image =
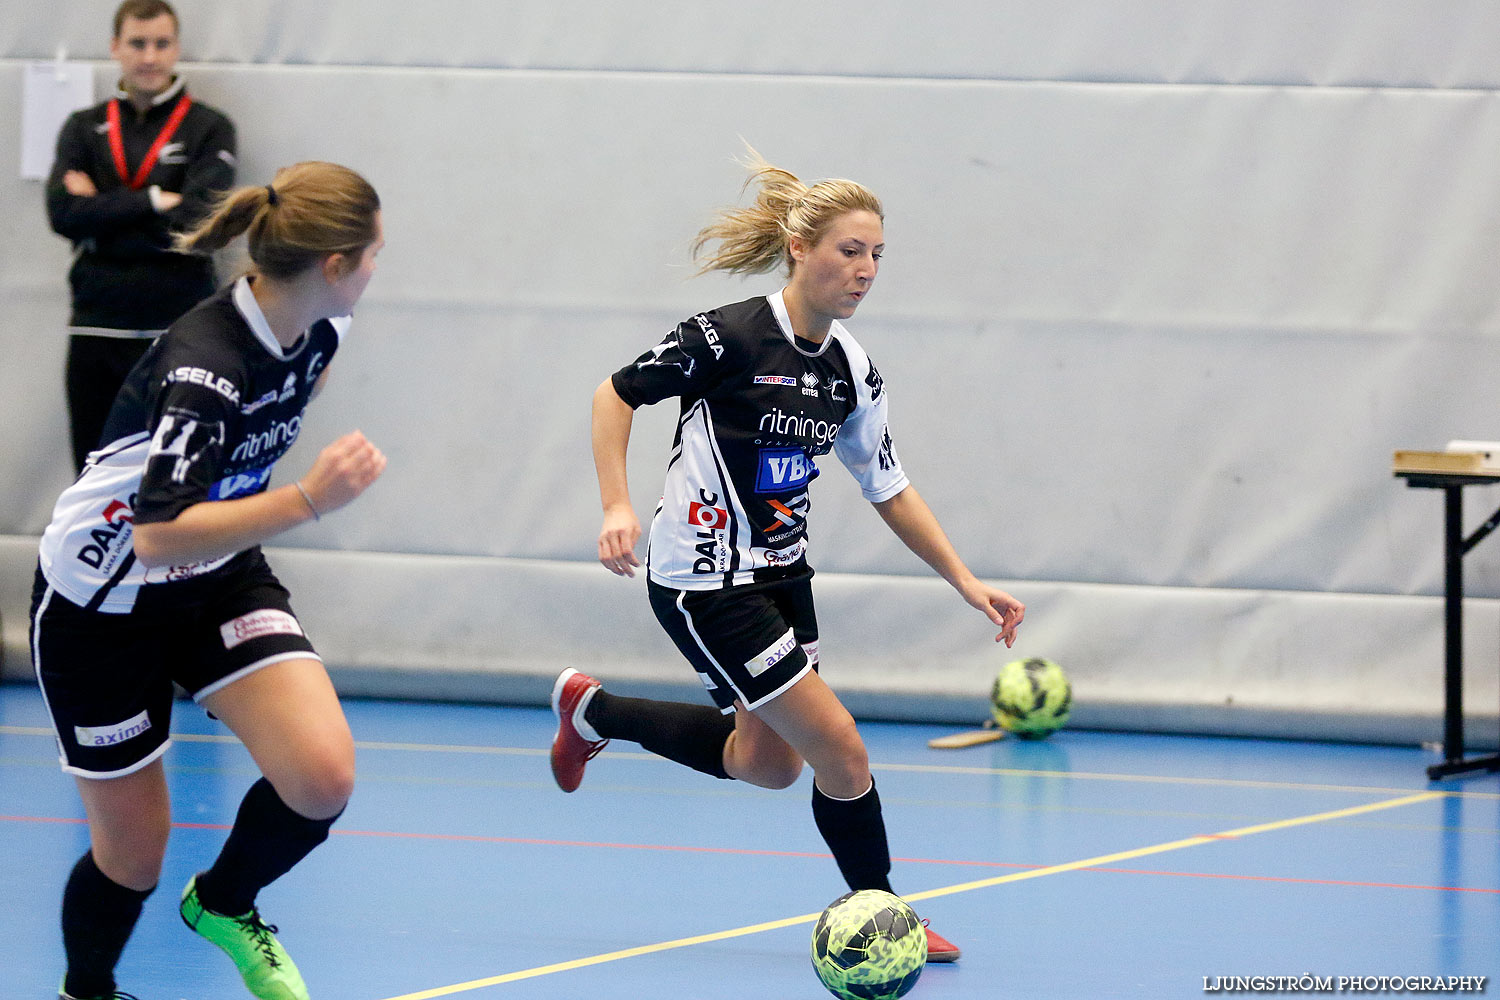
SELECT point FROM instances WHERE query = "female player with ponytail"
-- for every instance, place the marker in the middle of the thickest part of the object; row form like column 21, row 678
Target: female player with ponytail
column 766, row 386
column 151, row 573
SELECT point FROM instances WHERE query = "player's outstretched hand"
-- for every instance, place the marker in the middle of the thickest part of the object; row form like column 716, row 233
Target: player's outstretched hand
column 1002, row 609
column 343, row 471
column 617, row 541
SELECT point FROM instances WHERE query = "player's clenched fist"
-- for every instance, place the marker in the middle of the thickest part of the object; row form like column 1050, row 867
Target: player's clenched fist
column 343, row 471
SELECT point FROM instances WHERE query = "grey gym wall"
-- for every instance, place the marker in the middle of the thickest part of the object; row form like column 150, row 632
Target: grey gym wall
column 1167, row 283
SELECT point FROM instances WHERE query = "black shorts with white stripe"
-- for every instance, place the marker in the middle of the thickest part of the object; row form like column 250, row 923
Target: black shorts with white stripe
column 748, row 643
column 107, row 679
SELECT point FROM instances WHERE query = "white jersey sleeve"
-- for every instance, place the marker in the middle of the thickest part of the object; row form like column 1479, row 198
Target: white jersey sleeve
column 864, row 441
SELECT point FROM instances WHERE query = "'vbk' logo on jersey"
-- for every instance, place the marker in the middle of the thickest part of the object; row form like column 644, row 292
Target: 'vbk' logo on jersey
column 783, row 469
column 239, row 485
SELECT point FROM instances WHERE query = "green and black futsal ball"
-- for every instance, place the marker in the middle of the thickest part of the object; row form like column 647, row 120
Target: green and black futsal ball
column 1031, row 698
column 868, row 945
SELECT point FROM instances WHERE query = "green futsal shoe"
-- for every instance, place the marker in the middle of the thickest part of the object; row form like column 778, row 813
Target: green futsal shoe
column 267, row 969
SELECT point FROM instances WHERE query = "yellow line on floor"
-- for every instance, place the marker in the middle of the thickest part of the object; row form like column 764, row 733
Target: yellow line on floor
column 613, row 956
column 1207, row 838
column 807, row 918
column 1162, row 779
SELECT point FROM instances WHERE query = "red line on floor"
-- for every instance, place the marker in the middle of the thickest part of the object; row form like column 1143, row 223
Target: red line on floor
column 539, row 842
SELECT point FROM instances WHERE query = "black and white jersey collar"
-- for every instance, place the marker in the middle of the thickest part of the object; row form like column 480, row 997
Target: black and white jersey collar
column 244, row 302
column 784, row 321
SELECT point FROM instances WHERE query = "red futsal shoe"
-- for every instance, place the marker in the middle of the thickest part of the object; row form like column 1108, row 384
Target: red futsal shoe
column 576, row 743
column 939, row 948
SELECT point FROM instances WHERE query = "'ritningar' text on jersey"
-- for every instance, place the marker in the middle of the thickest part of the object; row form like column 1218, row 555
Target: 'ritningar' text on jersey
column 203, row 416
column 759, row 405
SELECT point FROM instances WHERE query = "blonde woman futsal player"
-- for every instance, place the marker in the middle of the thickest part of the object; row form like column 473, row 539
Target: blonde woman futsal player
column 766, row 388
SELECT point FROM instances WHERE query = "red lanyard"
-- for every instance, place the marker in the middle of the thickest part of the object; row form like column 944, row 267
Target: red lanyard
column 117, row 142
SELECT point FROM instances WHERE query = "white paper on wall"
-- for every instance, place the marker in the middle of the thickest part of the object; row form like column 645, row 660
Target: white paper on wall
column 50, row 91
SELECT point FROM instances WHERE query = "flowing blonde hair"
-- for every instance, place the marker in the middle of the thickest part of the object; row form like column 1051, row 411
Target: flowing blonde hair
column 309, row 211
column 758, row 238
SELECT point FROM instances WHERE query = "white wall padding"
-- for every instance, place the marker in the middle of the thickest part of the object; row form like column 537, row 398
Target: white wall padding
column 1165, row 287
column 1168, row 659
column 1329, row 43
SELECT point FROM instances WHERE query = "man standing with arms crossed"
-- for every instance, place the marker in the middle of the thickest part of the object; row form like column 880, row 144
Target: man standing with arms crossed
column 128, row 172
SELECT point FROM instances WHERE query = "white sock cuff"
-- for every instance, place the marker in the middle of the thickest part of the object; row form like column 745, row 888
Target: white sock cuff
column 835, row 798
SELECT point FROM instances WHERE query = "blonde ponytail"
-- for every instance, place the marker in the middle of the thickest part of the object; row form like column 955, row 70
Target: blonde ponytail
column 757, row 238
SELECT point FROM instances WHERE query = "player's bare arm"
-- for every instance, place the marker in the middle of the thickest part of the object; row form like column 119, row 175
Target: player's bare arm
column 612, row 420
column 215, row 528
column 912, row 521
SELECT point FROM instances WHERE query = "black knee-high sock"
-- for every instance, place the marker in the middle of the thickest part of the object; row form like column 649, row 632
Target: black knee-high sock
column 98, row 915
column 268, row 838
column 688, row 734
column 855, row 831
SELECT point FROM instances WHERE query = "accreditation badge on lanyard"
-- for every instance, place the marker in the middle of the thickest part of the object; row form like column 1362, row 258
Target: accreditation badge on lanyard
column 117, row 142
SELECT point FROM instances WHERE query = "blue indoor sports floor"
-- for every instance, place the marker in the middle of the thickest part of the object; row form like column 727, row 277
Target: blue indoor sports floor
column 1087, row 865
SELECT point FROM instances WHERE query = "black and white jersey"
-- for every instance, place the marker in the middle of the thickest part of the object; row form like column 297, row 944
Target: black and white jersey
column 759, row 405
column 203, row 416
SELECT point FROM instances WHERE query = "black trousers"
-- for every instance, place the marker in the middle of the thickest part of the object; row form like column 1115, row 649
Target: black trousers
column 97, row 367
